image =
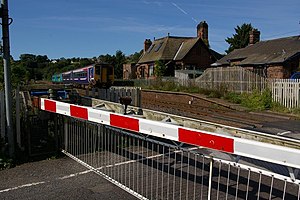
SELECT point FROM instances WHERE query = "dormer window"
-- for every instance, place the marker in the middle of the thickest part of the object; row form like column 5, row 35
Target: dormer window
column 158, row 47
column 150, row 48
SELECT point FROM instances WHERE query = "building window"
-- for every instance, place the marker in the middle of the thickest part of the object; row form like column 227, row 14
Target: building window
column 151, row 70
column 150, row 48
column 142, row 72
column 158, row 47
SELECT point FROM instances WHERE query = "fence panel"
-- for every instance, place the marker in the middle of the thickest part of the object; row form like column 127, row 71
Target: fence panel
column 286, row 92
column 151, row 168
column 235, row 79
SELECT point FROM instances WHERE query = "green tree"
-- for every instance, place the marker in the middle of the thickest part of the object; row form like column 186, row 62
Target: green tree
column 120, row 59
column 134, row 58
column 160, row 68
column 240, row 39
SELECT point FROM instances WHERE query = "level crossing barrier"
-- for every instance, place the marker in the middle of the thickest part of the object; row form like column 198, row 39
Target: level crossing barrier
column 155, row 160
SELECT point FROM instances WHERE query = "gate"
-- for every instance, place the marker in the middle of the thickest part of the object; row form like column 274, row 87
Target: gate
column 154, row 168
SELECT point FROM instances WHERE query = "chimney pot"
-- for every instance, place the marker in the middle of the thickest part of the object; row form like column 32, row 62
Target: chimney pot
column 254, row 36
column 202, row 32
column 147, row 45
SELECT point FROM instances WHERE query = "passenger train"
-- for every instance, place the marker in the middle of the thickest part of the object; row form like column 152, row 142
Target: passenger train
column 96, row 75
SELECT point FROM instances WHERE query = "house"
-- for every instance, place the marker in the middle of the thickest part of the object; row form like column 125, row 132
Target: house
column 277, row 58
column 129, row 71
column 177, row 53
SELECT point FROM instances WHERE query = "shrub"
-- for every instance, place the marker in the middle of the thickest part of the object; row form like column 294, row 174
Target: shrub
column 233, row 97
column 257, row 100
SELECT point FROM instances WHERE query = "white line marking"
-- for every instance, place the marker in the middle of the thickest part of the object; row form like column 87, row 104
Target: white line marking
column 85, row 172
column 43, row 182
column 22, row 186
column 74, row 175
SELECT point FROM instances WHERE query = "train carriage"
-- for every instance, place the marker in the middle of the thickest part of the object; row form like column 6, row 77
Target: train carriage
column 96, row 75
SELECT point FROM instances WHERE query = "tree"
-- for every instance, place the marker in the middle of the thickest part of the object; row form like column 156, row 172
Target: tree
column 240, row 39
column 120, row 59
column 134, row 58
column 160, row 68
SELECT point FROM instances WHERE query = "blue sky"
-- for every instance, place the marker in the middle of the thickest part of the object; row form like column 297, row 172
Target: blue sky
column 88, row 28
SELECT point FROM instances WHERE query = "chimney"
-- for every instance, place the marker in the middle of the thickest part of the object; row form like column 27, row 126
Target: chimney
column 202, row 31
column 147, row 45
column 254, row 36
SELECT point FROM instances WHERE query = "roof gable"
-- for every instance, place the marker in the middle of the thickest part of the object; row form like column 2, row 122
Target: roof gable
column 169, row 48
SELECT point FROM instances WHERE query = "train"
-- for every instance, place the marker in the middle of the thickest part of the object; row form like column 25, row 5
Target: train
column 99, row 75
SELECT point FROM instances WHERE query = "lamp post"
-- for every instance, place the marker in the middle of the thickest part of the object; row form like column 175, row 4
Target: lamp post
column 7, row 76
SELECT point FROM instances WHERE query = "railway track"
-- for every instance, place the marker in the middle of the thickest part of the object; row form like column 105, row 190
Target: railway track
column 216, row 111
column 198, row 107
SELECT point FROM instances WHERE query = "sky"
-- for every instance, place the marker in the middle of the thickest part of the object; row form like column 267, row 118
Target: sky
column 89, row 28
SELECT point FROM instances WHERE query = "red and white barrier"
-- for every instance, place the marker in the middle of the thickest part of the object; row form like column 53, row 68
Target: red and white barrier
column 238, row 146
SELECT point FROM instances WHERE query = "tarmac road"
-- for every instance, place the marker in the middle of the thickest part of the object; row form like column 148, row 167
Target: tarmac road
column 56, row 179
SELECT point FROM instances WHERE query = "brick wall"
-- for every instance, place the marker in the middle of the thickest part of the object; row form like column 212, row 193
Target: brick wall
column 129, row 71
column 142, row 71
column 276, row 71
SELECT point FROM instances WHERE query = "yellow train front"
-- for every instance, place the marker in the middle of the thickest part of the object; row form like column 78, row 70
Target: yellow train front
column 103, row 75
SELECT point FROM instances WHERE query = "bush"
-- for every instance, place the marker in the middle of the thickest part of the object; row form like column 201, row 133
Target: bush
column 257, row 100
column 233, row 97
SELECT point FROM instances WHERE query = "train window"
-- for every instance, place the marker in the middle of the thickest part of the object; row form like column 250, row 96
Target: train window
column 97, row 69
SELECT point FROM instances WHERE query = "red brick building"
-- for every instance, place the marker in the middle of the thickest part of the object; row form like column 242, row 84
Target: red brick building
column 277, row 58
column 177, row 53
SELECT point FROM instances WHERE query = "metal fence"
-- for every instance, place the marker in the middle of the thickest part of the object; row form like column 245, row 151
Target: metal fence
column 152, row 168
column 113, row 94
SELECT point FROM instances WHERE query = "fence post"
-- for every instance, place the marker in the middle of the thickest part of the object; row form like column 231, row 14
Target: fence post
column 18, row 125
column 2, row 116
column 210, row 178
column 66, row 133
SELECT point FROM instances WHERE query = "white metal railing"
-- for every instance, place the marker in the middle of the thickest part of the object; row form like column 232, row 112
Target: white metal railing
column 154, row 168
column 285, row 151
column 286, row 92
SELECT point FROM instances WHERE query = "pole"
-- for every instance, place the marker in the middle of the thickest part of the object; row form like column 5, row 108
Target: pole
column 7, row 80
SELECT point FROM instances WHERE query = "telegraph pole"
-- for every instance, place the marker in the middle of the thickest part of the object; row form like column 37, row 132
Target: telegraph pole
column 7, row 77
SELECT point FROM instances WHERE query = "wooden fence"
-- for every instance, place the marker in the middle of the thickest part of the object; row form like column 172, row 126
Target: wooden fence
column 235, row 79
column 286, row 92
